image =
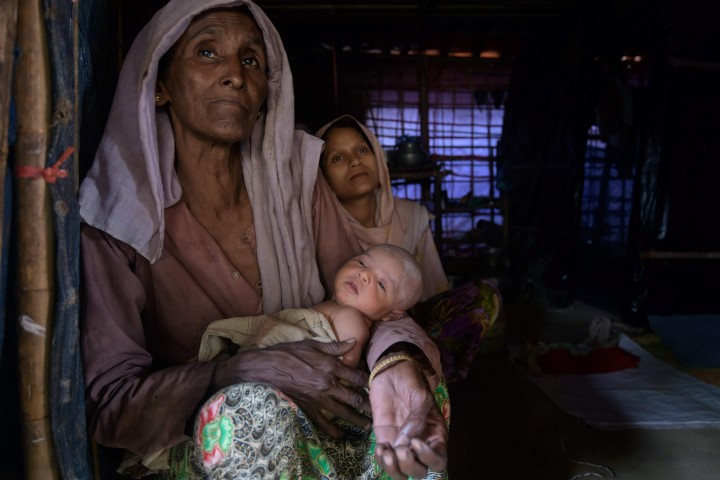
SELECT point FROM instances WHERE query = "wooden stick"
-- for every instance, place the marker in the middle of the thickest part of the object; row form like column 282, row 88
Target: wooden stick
column 67, row 399
column 8, row 28
column 668, row 255
column 35, row 242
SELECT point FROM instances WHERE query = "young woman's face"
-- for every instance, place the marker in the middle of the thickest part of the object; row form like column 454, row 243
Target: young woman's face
column 216, row 82
column 370, row 282
column 349, row 164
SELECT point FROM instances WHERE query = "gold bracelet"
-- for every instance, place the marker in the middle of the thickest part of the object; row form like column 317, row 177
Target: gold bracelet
column 385, row 363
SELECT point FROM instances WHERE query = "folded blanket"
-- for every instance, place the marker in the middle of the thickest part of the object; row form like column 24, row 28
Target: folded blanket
column 289, row 325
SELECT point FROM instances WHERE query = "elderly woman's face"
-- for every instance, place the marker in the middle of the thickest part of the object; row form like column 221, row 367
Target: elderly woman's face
column 216, row 82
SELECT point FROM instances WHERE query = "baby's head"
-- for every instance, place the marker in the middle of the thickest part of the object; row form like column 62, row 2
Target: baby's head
column 382, row 282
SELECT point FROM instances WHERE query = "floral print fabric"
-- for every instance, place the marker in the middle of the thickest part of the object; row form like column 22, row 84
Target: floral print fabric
column 252, row 431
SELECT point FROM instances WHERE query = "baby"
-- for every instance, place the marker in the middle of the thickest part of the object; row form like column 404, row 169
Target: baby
column 379, row 284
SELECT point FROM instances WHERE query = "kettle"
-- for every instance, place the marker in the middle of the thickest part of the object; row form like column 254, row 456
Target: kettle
column 409, row 152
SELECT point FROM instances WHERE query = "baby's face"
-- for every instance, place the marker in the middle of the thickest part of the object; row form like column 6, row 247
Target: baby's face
column 370, row 282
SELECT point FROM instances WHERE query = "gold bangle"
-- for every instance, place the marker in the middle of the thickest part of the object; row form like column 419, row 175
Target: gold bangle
column 385, row 363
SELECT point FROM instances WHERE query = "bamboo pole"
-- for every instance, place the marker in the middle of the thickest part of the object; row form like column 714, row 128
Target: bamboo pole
column 35, row 242
column 8, row 27
column 67, row 399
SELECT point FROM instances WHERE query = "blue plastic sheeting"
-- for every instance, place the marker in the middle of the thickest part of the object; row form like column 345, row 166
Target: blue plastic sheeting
column 5, row 227
column 694, row 340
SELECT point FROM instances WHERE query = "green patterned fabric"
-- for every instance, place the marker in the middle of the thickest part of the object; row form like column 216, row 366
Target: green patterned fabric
column 253, row 431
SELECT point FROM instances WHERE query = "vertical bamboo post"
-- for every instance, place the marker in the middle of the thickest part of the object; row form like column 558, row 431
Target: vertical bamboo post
column 67, row 399
column 35, row 242
column 8, row 27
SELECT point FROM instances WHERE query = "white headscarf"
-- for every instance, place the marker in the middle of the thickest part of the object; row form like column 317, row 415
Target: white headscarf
column 133, row 179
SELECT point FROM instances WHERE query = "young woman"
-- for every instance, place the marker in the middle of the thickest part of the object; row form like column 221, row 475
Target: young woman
column 354, row 166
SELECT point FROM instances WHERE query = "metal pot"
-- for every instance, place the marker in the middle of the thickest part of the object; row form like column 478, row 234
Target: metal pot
column 409, row 152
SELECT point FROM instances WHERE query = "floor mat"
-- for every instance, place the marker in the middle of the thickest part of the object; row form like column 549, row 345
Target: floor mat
column 654, row 395
column 693, row 339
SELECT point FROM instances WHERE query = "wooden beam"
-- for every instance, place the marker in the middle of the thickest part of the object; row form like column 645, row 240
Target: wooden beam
column 655, row 255
column 35, row 280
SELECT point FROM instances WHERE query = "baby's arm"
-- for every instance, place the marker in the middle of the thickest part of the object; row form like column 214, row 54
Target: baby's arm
column 350, row 323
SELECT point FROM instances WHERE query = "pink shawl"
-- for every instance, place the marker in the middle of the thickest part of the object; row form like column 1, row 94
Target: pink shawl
column 397, row 221
column 133, row 180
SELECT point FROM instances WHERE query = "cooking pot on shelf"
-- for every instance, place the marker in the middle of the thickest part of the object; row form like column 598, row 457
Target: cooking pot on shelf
column 409, row 152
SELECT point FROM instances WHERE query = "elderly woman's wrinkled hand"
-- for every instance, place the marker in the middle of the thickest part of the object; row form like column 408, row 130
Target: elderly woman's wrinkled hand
column 310, row 373
column 411, row 434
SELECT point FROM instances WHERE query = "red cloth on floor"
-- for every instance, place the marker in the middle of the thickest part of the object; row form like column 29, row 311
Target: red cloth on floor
column 597, row 360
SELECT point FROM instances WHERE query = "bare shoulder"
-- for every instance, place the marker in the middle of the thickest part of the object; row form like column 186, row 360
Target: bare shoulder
column 348, row 314
column 346, row 321
column 328, row 308
column 336, row 312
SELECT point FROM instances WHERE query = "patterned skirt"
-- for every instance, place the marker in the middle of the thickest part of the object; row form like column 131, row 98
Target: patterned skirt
column 252, row 431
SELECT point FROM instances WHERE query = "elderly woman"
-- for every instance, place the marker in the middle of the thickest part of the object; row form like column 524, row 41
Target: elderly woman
column 355, row 168
column 200, row 205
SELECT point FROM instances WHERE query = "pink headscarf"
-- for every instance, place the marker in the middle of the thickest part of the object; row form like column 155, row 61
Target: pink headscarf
column 397, row 221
